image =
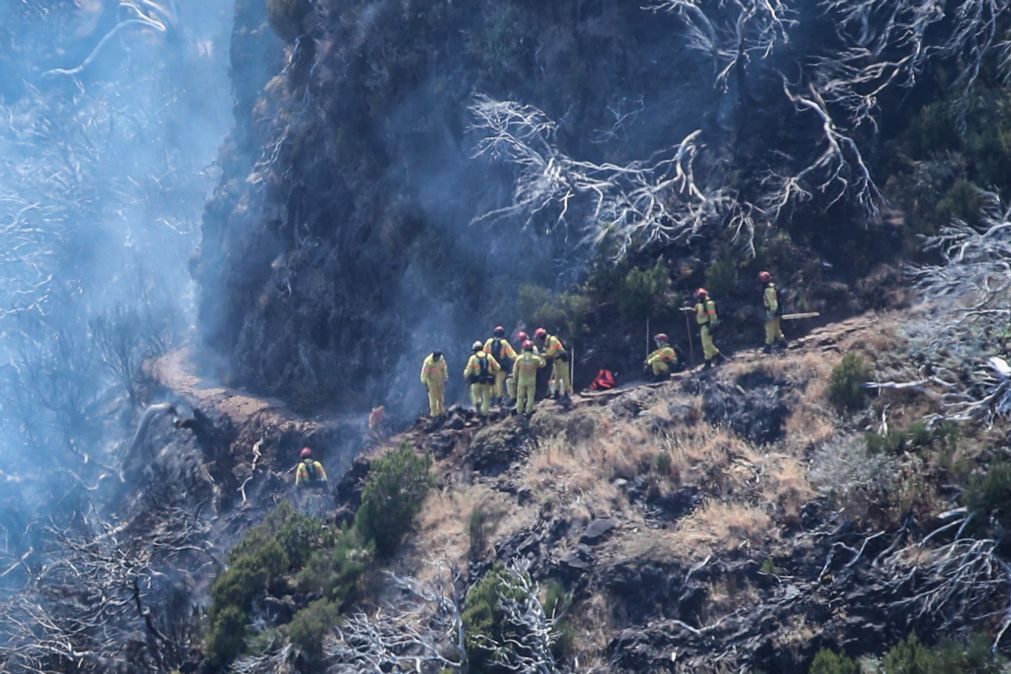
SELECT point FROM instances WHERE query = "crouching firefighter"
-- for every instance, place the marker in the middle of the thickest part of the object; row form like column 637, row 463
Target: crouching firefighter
column 480, row 374
column 310, row 473
column 525, row 370
column 434, row 373
column 664, row 360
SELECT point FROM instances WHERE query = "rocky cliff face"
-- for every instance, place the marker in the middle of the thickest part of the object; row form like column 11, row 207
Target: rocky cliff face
column 340, row 247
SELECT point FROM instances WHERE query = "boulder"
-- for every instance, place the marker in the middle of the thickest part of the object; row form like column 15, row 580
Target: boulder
column 597, row 530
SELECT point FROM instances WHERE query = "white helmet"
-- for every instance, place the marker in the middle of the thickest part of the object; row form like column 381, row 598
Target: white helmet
column 478, row 346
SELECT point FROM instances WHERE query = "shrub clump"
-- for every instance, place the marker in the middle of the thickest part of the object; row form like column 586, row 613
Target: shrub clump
column 266, row 553
column 990, row 494
column 397, row 485
column 290, row 548
column 830, row 662
column 846, row 386
column 310, row 624
column 484, row 620
column 913, row 657
column 286, row 17
column 643, row 291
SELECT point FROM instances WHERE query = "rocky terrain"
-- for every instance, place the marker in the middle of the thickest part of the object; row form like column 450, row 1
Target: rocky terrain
column 732, row 520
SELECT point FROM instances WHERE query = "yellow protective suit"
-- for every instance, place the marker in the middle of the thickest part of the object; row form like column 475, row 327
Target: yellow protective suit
column 773, row 332
column 481, row 391
column 505, row 351
column 662, row 360
column 302, row 473
column 525, row 372
column 434, row 374
column 561, row 370
column 705, row 316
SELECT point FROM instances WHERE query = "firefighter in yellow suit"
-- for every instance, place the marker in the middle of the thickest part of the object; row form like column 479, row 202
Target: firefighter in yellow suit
column 434, row 374
column 310, row 473
column 525, row 370
column 502, row 351
column 553, row 351
column 705, row 316
column 770, row 300
column 664, row 359
column 480, row 372
column 521, row 339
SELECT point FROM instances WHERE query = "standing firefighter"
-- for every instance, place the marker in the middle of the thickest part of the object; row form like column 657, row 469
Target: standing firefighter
column 434, row 374
column 553, row 351
column 480, row 373
column 499, row 348
column 510, row 382
column 705, row 316
column 310, row 472
column 664, row 360
column 525, row 371
column 773, row 312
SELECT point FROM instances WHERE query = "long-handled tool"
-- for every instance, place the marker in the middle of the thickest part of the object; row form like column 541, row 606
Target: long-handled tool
column 797, row 317
column 688, row 329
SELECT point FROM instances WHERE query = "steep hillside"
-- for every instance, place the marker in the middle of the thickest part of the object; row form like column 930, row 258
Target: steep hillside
column 732, row 520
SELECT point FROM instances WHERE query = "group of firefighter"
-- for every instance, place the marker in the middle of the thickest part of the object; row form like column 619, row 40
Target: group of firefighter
column 499, row 375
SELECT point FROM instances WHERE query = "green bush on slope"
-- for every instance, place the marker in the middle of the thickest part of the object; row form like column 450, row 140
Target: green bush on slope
column 291, row 547
column 396, row 488
column 846, row 383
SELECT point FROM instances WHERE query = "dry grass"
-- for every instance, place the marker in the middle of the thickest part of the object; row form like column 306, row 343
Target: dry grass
column 720, row 527
column 583, row 471
column 710, row 457
column 443, row 524
column 592, row 626
column 785, row 485
column 724, row 595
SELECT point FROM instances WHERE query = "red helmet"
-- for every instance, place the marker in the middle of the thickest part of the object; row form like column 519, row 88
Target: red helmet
column 528, row 345
column 540, row 333
column 306, row 453
column 499, row 331
column 700, row 293
column 521, row 337
column 764, row 276
column 661, row 337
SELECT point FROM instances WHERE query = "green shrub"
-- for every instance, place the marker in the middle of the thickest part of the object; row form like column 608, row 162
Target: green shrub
column 830, row 662
column 643, row 291
column 233, row 594
column 891, row 442
column 721, row 278
column 226, row 638
column 567, row 312
column 770, row 567
column 310, row 624
column 484, row 622
column 267, row 552
column 336, row 572
column 913, row 657
column 286, row 16
column 556, row 604
column 846, row 384
column 662, row 463
column 397, row 485
column 477, row 531
column 990, row 494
